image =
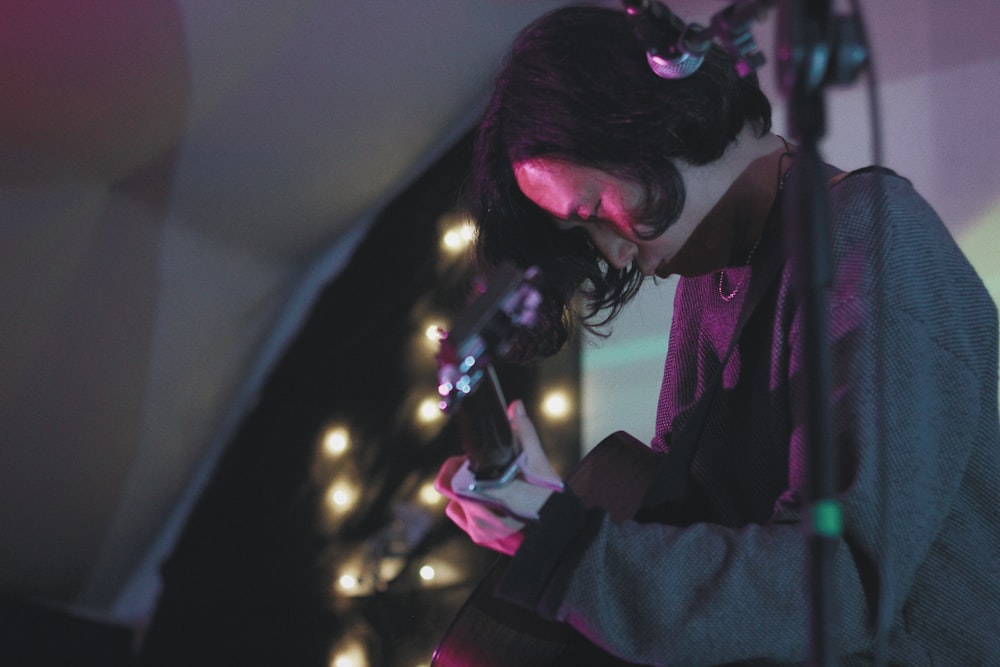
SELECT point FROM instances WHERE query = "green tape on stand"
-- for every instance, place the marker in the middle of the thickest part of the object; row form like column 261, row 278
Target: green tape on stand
column 827, row 519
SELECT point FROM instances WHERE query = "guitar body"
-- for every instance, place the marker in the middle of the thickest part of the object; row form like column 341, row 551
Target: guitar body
column 488, row 632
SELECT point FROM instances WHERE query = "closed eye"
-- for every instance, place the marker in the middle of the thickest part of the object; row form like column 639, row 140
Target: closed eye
column 574, row 219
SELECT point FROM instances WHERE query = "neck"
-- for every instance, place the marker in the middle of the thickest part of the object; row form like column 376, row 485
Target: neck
column 753, row 196
column 728, row 203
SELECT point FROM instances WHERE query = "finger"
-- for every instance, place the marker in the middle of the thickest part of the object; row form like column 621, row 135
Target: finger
column 523, row 427
column 524, row 430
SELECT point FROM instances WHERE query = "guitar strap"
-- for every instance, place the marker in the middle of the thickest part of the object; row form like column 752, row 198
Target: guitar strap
column 668, row 485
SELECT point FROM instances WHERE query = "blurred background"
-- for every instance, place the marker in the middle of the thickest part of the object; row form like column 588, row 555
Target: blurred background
column 226, row 229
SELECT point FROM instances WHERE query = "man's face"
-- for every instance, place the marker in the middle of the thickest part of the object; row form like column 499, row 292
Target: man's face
column 609, row 209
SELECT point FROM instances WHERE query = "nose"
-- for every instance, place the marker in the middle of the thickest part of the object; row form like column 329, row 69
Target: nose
column 618, row 252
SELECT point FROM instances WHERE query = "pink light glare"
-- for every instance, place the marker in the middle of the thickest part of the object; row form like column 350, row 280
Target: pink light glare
column 91, row 89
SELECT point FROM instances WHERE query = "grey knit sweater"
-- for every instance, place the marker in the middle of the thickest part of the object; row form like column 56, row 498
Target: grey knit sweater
column 914, row 353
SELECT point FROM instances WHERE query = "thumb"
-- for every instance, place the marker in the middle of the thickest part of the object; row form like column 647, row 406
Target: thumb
column 524, row 430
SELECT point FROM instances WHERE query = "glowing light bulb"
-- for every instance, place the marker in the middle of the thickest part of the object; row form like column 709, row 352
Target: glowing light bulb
column 435, row 332
column 428, row 495
column 556, row 404
column 349, row 654
column 336, row 440
column 427, row 573
column 452, row 240
column 341, row 497
column 348, row 582
column 429, row 411
column 458, row 237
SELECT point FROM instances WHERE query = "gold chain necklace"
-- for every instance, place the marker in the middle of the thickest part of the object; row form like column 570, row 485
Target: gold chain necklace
column 722, row 272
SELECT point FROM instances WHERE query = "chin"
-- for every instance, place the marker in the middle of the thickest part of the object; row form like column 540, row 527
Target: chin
column 664, row 272
column 688, row 272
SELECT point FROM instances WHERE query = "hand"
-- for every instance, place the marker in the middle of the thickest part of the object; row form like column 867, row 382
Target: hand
column 482, row 517
column 485, row 525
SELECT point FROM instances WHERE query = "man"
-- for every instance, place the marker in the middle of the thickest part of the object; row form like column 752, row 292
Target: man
column 600, row 173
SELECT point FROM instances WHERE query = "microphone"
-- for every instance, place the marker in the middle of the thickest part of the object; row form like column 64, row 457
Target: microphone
column 674, row 50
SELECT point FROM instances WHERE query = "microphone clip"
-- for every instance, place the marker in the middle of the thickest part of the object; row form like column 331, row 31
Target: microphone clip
column 676, row 50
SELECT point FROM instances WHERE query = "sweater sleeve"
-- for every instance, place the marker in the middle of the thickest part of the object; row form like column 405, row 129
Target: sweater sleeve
column 907, row 407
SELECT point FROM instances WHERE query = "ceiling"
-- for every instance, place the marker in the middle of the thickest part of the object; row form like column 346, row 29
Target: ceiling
column 177, row 179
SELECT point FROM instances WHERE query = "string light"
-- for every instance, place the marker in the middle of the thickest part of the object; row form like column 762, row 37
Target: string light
column 435, row 332
column 433, row 329
column 341, row 496
column 427, row 416
column 349, row 653
column 386, row 557
column 352, row 577
column 437, row 572
column 458, row 236
column 336, row 440
column 429, row 410
column 557, row 405
column 428, row 495
column 348, row 582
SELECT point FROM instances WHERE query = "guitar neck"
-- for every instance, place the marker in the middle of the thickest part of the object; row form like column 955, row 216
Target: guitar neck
column 487, row 439
column 467, row 380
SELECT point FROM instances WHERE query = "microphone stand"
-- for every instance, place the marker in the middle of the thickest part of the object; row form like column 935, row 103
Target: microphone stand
column 816, row 49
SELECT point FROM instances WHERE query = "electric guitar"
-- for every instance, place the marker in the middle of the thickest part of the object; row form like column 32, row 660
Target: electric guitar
column 488, row 632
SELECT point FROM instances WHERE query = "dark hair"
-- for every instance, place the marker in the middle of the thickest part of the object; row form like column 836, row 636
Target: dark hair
column 577, row 86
